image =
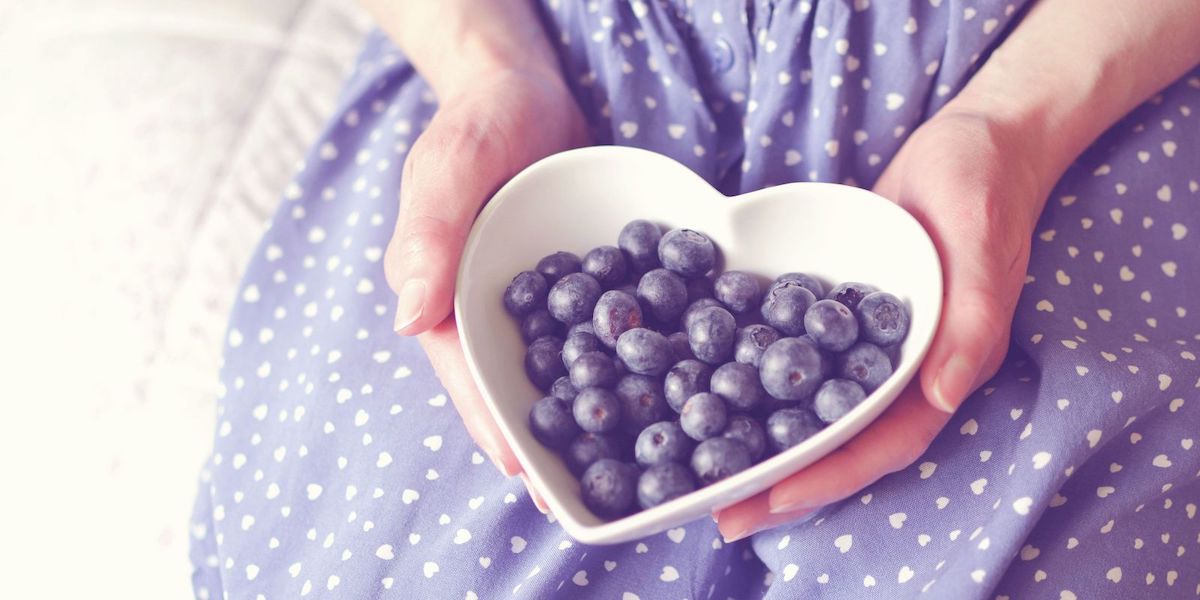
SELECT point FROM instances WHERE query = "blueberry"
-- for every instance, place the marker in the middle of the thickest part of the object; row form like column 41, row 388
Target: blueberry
column 609, row 487
column 589, row 448
column 865, row 364
column 662, row 483
column 572, row 298
column 687, row 378
column 639, row 240
column 526, row 292
column 770, row 405
column 662, row 442
column 883, row 319
column 642, row 401
column 749, row 432
column 584, row 327
column 593, row 369
column 663, row 293
column 597, row 410
column 703, row 416
column 738, row 290
column 607, row 265
column 784, row 308
column 622, row 370
column 629, row 287
column 738, row 384
column 803, row 280
column 752, row 341
column 645, row 351
column 543, row 361
column 717, row 458
column 577, row 345
column 837, row 397
column 893, row 354
column 680, row 346
column 699, row 287
column 790, row 426
column 828, row 359
column 538, row 324
column 552, row 423
column 689, row 253
column 558, row 265
column 563, row 390
column 689, row 314
column 616, row 312
column 831, row 325
column 790, row 369
column 850, row 293
column 711, row 335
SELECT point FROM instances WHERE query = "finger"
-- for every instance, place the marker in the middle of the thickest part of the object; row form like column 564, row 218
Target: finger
column 445, row 353
column 753, row 515
column 892, row 442
column 538, row 501
column 888, row 184
column 981, row 279
column 967, row 348
column 451, row 170
column 983, row 267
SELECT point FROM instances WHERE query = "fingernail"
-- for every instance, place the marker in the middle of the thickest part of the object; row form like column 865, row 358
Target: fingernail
column 410, row 304
column 499, row 464
column 533, row 495
column 729, row 539
column 778, row 509
column 794, row 509
column 779, row 503
column 952, row 383
column 777, row 518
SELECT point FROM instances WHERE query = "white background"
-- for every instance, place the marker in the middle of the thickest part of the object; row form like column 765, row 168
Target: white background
column 143, row 143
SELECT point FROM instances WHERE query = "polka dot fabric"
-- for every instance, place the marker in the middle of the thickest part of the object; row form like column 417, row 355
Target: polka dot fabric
column 340, row 468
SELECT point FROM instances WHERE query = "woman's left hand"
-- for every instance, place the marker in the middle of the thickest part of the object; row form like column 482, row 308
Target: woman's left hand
column 972, row 183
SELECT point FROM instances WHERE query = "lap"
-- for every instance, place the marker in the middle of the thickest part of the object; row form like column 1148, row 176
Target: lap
column 340, row 465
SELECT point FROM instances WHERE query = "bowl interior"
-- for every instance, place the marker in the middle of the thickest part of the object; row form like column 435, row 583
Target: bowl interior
column 580, row 199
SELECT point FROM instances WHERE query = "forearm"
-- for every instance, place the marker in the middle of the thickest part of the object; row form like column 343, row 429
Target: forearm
column 454, row 42
column 1072, row 68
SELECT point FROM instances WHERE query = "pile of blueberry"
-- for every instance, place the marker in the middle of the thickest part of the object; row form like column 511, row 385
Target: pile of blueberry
column 660, row 379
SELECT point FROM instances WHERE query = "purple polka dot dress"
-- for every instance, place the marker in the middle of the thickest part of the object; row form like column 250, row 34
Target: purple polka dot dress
column 340, row 470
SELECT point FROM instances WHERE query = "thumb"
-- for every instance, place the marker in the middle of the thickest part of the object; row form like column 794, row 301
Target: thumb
column 970, row 343
column 451, row 170
column 981, row 283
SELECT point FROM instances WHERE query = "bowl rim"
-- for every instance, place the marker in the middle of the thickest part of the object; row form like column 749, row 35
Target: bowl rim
column 628, row 528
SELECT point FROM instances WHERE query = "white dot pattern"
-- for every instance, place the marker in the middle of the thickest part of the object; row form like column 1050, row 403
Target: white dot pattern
column 340, row 470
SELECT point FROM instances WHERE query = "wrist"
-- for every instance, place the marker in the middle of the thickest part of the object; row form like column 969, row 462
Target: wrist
column 1012, row 144
column 457, row 44
column 1029, row 127
column 469, row 43
column 480, row 58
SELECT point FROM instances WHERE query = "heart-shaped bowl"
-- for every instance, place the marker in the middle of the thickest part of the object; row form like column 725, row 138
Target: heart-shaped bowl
column 581, row 199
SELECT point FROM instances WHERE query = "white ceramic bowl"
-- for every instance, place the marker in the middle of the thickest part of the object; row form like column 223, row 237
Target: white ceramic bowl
column 580, row 199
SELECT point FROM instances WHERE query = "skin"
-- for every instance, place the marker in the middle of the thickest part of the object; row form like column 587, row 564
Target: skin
column 976, row 174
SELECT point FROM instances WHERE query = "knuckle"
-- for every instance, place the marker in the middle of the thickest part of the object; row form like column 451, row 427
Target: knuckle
column 989, row 313
column 914, row 449
column 420, row 235
column 417, row 238
column 447, row 142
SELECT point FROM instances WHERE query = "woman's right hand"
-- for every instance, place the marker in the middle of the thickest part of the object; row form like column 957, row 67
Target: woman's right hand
column 500, row 122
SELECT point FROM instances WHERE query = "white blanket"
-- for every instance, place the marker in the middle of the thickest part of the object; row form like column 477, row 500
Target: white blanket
column 143, row 143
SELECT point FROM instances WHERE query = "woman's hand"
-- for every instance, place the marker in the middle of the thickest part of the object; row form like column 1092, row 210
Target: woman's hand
column 977, row 175
column 475, row 143
column 502, row 105
column 970, row 181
